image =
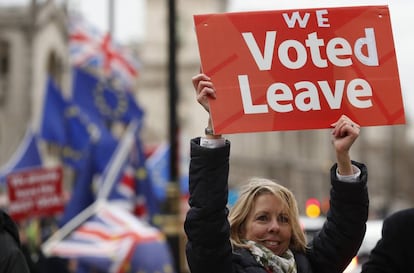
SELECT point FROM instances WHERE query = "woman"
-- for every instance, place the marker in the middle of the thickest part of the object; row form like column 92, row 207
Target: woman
column 262, row 232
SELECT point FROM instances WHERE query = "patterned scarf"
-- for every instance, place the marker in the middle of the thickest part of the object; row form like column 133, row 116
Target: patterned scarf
column 270, row 261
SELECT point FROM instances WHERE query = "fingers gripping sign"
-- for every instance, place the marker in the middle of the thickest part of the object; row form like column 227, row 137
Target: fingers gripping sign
column 204, row 90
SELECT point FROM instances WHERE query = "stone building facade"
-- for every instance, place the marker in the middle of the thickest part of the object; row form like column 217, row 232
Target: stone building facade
column 33, row 44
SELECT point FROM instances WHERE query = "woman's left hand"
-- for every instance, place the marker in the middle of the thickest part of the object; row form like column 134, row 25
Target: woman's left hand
column 344, row 134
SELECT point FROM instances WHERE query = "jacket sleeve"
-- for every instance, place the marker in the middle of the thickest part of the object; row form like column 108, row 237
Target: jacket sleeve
column 208, row 247
column 342, row 234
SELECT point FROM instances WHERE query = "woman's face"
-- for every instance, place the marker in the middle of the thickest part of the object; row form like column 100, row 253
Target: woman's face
column 268, row 224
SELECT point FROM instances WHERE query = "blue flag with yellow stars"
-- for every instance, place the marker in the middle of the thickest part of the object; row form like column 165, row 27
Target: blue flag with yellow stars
column 27, row 155
column 64, row 124
column 102, row 102
column 52, row 128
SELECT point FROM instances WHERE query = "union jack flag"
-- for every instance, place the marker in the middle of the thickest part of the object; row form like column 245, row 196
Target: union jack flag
column 113, row 240
column 92, row 49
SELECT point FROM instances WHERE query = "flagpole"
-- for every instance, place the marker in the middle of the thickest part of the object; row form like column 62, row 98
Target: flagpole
column 111, row 18
column 115, row 164
column 172, row 217
column 173, row 90
column 64, row 231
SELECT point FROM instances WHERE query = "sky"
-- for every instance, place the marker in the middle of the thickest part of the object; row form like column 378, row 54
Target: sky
column 129, row 17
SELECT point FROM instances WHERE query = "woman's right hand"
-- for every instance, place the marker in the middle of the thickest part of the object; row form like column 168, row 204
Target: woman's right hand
column 204, row 90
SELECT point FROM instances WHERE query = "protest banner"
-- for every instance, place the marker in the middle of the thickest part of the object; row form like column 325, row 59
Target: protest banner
column 35, row 192
column 300, row 69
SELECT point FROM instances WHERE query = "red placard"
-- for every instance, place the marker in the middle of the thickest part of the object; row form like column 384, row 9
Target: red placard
column 300, row 69
column 35, row 192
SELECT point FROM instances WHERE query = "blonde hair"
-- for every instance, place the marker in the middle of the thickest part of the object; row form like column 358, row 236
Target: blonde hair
column 244, row 204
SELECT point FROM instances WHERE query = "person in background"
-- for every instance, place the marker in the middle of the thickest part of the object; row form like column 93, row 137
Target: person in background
column 28, row 247
column 394, row 252
column 262, row 232
column 12, row 259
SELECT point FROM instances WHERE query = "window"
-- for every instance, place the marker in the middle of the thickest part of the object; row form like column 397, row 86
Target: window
column 54, row 68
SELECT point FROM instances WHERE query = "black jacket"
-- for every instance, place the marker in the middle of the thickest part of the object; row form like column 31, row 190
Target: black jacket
column 394, row 251
column 209, row 249
column 12, row 259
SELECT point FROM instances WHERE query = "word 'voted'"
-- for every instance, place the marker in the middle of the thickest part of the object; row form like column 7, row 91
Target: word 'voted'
column 338, row 51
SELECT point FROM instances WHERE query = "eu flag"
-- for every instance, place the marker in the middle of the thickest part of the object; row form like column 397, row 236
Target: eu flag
column 158, row 165
column 64, row 124
column 144, row 184
column 52, row 128
column 101, row 102
column 82, row 194
column 103, row 148
column 92, row 163
column 115, row 183
column 85, row 146
column 27, row 155
column 76, row 148
column 125, row 180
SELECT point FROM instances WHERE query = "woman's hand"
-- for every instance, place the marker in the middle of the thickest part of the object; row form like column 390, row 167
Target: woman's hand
column 344, row 134
column 204, row 90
